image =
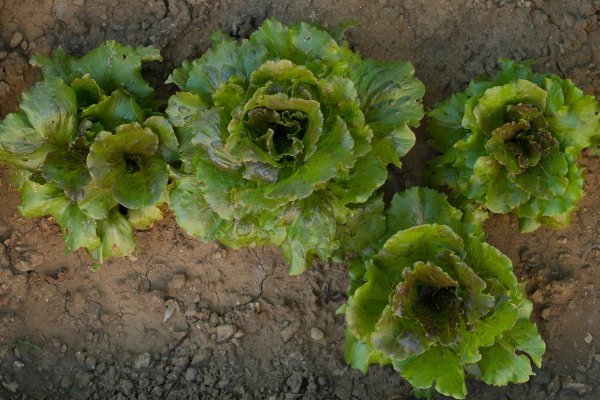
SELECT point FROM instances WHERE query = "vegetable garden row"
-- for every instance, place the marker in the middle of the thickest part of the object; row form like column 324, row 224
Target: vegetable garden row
column 284, row 139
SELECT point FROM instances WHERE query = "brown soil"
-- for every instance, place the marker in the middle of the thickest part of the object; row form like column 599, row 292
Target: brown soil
column 240, row 328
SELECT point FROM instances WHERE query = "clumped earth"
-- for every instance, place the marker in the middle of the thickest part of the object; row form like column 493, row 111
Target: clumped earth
column 189, row 320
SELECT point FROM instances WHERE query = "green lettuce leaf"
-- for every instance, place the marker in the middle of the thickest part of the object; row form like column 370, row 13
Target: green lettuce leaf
column 127, row 163
column 111, row 65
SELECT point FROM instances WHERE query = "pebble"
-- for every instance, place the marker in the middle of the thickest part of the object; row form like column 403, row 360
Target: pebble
column 210, row 380
column 597, row 357
column 580, row 388
column 90, row 362
column 63, row 348
column 18, row 364
column 191, row 311
column 142, row 361
column 171, row 306
column 294, row 382
column 177, row 282
column 15, row 39
column 3, row 54
column 190, row 374
column 100, row 368
column 126, row 387
column 288, row 332
column 316, row 334
column 538, row 297
column 546, row 314
column 65, row 382
column 182, row 361
column 224, row 332
column 588, row 338
column 10, row 386
column 23, row 266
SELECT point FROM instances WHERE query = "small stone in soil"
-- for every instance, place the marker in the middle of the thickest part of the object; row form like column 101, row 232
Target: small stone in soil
column 316, row 334
column 65, row 382
column 588, row 338
column 191, row 311
column 546, row 314
column 90, row 362
column 190, row 374
column 538, row 297
column 294, row 382
column 10, row 386
column 171, row 306
column 15, row 39
column 580, row 388
column 224, row 332
column 126, row 387
column 142, row 361
column 18, row 364
column 177, row 282
column 288, row 332
column 182, row 361
column 238, row 334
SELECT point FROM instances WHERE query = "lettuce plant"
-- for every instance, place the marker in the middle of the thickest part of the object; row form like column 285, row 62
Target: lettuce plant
column 87, row 151
column 511, row 144
column 431, row 298
column 282, row 134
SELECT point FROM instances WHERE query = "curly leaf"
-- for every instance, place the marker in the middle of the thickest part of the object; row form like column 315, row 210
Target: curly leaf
column 111, row 64
column 51, row 109
column 310, row 233
column 117, row 237
column 438, row 367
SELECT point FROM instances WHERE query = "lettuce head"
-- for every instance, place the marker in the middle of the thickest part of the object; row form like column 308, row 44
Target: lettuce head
column 87, row 150
column 282, row 133
column 511, row 143
column 431, row 298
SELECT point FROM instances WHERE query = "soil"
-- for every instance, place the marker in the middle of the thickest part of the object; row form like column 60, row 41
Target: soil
column 188, row 320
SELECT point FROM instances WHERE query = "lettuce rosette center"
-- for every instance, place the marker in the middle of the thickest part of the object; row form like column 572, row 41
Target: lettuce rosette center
column 280, row 125
column 523, row 141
